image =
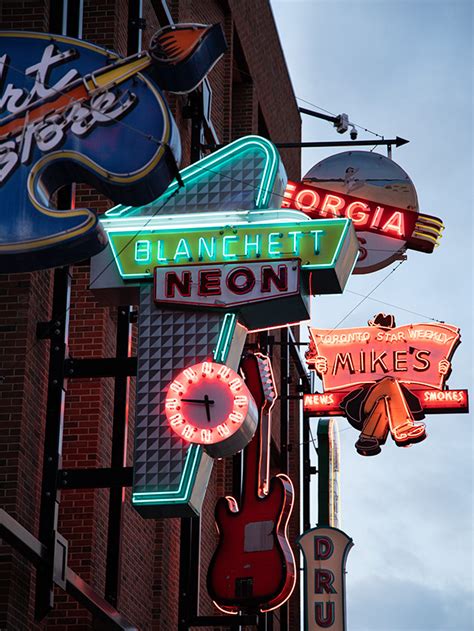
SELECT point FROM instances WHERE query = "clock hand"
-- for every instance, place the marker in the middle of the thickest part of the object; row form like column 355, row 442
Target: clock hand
column 208, row 411
column 206, row 401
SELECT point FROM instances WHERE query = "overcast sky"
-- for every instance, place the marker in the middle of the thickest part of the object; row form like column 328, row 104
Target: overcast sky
column 402, row 68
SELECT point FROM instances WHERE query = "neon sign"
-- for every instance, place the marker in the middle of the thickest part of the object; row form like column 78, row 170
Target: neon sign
column 383, row 378
column 327, row 246
column 432, row 400
column 421, row 232
column 209, row 404
column 380, row 199
column 253, row 567
column 415, row 354
column 249, row 290
column 68, row 109
column 325, row 552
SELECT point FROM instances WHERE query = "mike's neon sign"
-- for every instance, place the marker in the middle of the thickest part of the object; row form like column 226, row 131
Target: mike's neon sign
column 383, row 378
column 421, row 232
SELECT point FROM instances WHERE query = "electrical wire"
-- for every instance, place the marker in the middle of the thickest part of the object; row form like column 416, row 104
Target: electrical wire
column 365, row 297
column 332, row 114
column 390, row 304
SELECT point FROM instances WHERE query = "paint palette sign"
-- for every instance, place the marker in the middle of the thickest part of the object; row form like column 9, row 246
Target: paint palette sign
column 68, row 108
column 383, row 378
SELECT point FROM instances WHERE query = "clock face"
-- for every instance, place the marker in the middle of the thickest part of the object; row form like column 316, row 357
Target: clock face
column 210, row 404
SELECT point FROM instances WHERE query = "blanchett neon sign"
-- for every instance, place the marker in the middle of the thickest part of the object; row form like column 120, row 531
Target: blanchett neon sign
column 383, row 378
column 421, row 232
column 326, row 246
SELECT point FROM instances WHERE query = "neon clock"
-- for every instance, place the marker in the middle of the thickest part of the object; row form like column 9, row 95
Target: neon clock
column 209, row 404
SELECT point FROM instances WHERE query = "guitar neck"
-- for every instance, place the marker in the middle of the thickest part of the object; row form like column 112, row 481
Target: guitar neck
column 257, row 460
column 257, row 454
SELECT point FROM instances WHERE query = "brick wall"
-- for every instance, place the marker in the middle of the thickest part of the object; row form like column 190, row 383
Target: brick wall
column 244, row 101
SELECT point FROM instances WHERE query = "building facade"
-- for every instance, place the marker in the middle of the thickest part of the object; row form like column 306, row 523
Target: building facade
column 141, row 568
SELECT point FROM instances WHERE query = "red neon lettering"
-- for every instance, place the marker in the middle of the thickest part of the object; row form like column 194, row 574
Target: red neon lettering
column 249, row 281
column 358, row 212
column 332, row 204
column 307, row 199
column 425, row 364
column 323, row 581
column 288, row 195
column 269, row 276
column 323, row 548
column 210, row 282
column 400, row 361
column 377, row 359
column 324, row 619
column 182, row 284
column 376, row 218
column 395, row 224
column 343, row 359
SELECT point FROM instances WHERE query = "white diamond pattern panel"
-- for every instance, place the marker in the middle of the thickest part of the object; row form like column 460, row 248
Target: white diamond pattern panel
column 230, row 185
column 168, row 341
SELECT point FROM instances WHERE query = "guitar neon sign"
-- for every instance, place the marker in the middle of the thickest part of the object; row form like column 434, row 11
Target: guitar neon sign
column 67, row 109
column 383, row 378
column 253, row 567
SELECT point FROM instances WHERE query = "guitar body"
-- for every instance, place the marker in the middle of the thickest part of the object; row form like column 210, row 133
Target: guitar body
column 253, row 567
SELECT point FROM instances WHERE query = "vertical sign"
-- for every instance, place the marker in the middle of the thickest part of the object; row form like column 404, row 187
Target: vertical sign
column 325, row 552
column 328, row 474
column 171, row 474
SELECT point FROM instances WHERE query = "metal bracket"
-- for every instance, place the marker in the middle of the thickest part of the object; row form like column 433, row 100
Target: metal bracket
column 138, row 23
column 100, row 367
column 12, row 532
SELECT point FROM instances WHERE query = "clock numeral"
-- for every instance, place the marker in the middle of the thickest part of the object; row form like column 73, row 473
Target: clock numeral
column 241, row 401
column 177, row 387
column 235, row 384
column 176, row 419
column 236, row 417
column 172, row 404
column 224, row 372
column 190, row 375
column 206, row 369
column 188, row 432
column 223, row 430
column 206, row 435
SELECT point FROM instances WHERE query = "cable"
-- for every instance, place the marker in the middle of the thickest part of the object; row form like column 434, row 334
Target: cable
column 366, row 297
column 389, row 304
column 332, row 114
column 134, row 237
column 318, row 107
column 104, row 269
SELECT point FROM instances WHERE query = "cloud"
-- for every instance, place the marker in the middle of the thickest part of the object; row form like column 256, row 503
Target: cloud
column 413, row 607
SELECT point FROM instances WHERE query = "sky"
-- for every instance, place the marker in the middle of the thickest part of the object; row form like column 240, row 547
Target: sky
column 402, row 67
